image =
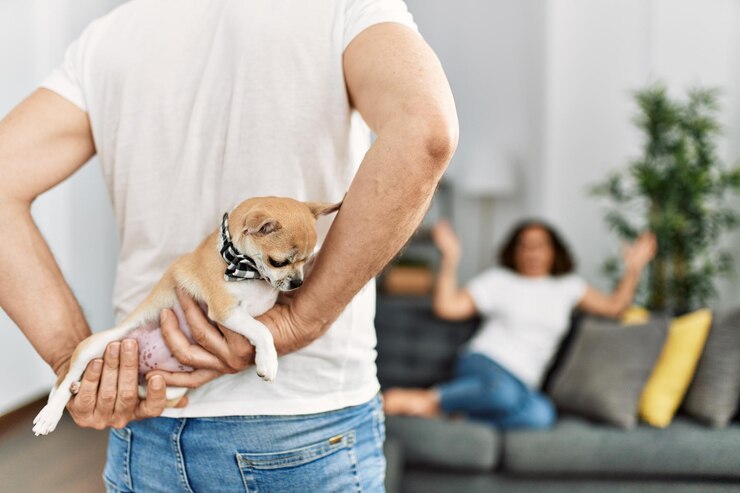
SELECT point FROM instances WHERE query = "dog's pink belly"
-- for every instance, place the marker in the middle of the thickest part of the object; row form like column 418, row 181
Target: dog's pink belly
column 153, row 352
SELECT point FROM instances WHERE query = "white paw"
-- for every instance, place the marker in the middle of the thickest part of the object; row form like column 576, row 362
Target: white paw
column 266, row 362
column 46, row 421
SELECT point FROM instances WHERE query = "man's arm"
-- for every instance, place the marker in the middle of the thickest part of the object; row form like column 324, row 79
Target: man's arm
column 42, row 142
column 397, row 83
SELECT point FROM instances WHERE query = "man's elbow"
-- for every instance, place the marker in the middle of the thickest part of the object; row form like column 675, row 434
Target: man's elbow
column 439, row 138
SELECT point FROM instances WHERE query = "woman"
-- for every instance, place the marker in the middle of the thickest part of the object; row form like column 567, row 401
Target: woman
column 526, row 306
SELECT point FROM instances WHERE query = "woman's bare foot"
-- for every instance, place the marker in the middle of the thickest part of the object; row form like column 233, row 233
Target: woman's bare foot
column 411, row 402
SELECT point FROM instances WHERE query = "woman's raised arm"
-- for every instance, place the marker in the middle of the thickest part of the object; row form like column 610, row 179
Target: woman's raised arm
column 450, row 302
column 636, row 256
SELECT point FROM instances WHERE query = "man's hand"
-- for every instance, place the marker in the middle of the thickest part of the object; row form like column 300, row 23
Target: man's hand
column 218, row 350
column 108, row 393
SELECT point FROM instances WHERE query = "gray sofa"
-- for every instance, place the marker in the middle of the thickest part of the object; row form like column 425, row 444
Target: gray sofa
column 443, row 455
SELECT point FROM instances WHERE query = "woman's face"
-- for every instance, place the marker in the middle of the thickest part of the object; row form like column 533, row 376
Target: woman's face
column 534, row 253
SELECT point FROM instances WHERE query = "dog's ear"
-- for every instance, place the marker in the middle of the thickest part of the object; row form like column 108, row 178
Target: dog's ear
column 260, row 224
column 323, row 208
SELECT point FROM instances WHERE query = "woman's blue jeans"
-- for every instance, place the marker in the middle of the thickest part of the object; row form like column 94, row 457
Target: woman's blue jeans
column 337, row 451
column 485, row 391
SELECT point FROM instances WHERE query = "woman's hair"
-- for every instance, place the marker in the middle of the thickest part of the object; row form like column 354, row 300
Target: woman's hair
column 562, row 261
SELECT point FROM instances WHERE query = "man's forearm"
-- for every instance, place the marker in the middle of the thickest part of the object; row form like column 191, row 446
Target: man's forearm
column 33, row 291
column 383, row 207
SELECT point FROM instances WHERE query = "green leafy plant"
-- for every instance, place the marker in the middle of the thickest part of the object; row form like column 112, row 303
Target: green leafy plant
column 678, row 189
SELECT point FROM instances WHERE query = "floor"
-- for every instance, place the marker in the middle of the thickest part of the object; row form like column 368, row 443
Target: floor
column 70, row 460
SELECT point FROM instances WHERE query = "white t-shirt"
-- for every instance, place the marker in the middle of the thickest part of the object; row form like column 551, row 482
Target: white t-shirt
column 524, row 319
column 196, row 105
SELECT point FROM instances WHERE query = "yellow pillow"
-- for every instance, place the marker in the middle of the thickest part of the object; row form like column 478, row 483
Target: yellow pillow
column 635, row 315
column 675, row 368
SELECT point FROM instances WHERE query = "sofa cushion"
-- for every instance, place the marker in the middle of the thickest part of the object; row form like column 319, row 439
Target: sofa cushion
column 577, row 447
column 415, row 348
column 425, row 481
column 674, row 370
column 606, row 368
column 712, row 397
column 448, row 444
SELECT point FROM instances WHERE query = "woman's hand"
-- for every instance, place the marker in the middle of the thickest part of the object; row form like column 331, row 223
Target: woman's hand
column 447, row 241
column 638, row 254
column 108, row 391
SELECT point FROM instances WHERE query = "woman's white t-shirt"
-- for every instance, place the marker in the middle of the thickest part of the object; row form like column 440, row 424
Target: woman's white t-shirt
column 197, row 105
column 525, row 318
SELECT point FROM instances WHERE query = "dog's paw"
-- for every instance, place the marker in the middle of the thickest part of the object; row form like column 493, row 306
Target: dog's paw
column 266, row 362
column 46, row 421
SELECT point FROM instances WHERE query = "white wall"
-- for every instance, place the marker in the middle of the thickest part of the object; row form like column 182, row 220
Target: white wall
column 547, row 85
column 597, row 52
column 75, row 218
column 492, row 52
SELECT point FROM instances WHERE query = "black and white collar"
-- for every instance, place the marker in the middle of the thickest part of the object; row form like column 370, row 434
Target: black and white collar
column 239, row 267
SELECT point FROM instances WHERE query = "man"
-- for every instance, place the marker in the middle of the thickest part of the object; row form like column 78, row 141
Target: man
column 191, row 107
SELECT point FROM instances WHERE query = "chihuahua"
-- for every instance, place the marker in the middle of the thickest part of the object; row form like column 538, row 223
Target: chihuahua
column 235, row 274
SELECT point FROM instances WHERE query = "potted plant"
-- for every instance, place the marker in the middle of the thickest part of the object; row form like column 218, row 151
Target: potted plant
column 678, row 188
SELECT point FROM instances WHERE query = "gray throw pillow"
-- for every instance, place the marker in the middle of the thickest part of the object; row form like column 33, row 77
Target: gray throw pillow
column 606, row 368
column 713, row 395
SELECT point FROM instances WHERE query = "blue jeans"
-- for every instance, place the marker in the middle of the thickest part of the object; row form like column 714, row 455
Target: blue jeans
column 485, row 391
column 337, row 451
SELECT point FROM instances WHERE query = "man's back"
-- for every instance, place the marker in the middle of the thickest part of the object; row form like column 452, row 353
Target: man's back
column 196, row 105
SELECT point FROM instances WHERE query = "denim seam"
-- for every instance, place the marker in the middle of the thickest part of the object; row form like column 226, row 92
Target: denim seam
column 378, row 430
column 277, row 417
column 123, row 434
column 127, row 461
column 355, row 471
column 176, row 448
column 378, row 418
column 127, row 479
column 245, row 479
column 110, row 487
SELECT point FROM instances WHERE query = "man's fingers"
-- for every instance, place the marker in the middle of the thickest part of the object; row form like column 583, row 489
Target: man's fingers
column 182, row 402
column 128, row 380
column 241, row 351
column 190, row 380
column 83, row 404
column 202, row 330
column 156, row 398
column 108, row 387
column 182, row 349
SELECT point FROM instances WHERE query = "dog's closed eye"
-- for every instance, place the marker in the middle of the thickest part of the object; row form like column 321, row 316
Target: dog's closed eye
column 278, row 263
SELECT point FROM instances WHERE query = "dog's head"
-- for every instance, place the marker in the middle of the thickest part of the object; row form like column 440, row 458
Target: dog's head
column 279, row 234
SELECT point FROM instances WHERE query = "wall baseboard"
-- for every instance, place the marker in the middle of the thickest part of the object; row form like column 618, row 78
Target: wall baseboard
column 22, row 415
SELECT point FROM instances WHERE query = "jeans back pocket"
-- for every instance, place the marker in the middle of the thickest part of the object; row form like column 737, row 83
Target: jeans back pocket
column 324, row 467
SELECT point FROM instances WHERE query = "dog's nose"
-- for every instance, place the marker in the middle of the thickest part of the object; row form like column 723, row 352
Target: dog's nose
column 295, row 283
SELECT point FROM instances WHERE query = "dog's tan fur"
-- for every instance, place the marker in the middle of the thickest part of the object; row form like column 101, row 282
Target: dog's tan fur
column 263, row 228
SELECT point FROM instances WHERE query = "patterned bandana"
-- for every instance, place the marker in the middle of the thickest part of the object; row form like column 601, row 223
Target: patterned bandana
column 239, row 267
